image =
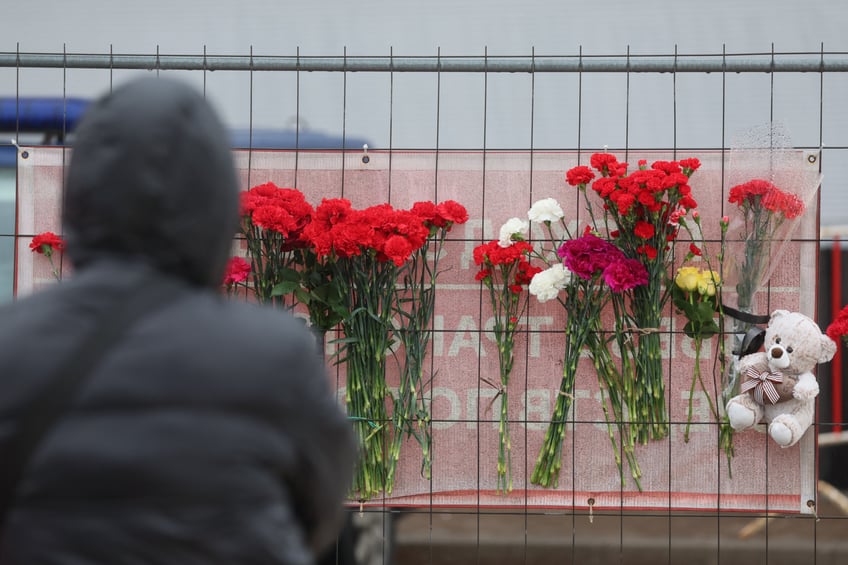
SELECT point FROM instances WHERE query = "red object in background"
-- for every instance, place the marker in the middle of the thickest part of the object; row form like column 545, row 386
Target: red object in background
column 836, row 362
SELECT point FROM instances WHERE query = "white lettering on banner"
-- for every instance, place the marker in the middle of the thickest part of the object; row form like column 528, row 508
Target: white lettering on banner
column 534, row 324
column 455, row 411
column 537, row 405
column 438, row 335
column 466, row 336
column 489, row 406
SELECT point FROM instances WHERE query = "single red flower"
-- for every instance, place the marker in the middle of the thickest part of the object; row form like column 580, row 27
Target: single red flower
column 483, row 274
column 579, row 175
column 625, row 203
column 648, row 251
column 644, row 230
column 452, row 212
column 237, row 271
column 838, row 329
column 694, row 250
column 398, row 249
column 691, row 165
column 604, row 163
column 46, row 243
column 604, row 186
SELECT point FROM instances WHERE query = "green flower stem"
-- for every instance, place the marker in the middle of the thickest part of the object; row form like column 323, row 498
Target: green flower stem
column 609, row 379
column 696, row 377
column 364, row 350
column 549, row 460
column 415, row 306
column 507, row 308
column 648, row 409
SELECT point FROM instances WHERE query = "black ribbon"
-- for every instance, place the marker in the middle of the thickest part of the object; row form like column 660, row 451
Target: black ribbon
column 745, row 316
column 754, row 337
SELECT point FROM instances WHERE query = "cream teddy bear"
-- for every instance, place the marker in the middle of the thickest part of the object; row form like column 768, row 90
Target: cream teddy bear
column 777, row 385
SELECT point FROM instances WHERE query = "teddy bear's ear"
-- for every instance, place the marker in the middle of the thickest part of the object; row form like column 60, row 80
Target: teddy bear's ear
column 828, row 349
column 777, row 314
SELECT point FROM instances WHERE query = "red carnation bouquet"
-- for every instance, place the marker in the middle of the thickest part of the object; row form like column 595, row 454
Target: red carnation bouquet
column 764, row 209
column 371, row 272
column 643, row 207
column 416, row 302
column 378, row 262
column 273, row 219
column 505, row 270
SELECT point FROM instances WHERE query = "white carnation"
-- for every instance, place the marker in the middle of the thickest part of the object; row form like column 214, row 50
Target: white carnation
column 512, row 227
column 547, row 284
column 545, row 210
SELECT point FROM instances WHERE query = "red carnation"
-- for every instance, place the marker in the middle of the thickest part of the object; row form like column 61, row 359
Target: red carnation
column 643, row 230
column 690, row 165
column 452, row 212
column 483, row 274
column 648, row 251
column 237, row 271
column 46, row 243
column 579, row 175
column 604, row 186
column 625, row 203
column 838, row 329
column 605, row 163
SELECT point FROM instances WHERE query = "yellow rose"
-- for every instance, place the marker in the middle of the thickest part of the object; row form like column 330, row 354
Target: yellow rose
column 687, row 278
column 707, row 281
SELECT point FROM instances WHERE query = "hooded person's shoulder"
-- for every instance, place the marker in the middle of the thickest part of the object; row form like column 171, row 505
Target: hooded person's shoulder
column 253, row 328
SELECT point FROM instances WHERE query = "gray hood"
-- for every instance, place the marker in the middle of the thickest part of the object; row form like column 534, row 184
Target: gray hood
column 152, row 180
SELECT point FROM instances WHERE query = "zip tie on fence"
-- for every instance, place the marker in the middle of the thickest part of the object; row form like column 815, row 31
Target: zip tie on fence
column 811, row 504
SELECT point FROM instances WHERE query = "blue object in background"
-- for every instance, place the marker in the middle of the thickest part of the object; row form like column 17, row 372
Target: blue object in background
column 41, row 114
column 264, row 138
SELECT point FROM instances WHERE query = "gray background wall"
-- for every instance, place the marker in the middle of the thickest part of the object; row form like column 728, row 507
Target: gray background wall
column 466, row 27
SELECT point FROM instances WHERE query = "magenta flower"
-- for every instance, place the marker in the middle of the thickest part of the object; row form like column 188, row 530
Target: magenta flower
column 588, row 255
column 625, row 274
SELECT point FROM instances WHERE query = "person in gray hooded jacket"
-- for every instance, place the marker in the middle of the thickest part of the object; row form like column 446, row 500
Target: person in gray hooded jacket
column 208, row 433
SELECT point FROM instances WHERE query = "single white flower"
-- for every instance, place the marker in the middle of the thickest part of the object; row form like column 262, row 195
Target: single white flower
column 545, row 210
column 547, row 284
column 513, row 227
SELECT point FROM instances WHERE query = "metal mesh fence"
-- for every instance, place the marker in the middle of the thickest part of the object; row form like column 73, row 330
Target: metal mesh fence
column 533, row 106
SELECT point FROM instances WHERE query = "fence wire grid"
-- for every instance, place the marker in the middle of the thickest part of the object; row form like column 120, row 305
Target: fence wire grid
column 669, row 103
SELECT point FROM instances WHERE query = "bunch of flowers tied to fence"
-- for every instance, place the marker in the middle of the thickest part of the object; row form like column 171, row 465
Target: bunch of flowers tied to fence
column 505, row 271
column 623, row 259
column 372, row 272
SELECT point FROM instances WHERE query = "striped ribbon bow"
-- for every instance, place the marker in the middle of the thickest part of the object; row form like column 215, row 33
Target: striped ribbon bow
column 762, row 383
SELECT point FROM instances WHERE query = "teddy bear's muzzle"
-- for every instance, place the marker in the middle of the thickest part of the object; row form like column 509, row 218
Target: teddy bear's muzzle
column 778, row 357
